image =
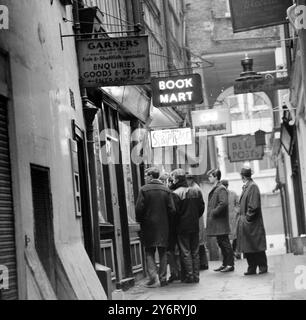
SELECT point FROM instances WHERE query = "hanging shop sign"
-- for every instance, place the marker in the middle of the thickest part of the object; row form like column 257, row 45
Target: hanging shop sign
column 286, row 137
column 114, row 61
column 254, row 14
column 178, row 90
column 215, row 121
column 243, row 148
column 171, row 137
column 261, row 85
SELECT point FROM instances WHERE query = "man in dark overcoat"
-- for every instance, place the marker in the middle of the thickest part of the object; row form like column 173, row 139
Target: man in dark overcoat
column 190, row 206
column 154, row 206
column 251, row 235
column 218, row 220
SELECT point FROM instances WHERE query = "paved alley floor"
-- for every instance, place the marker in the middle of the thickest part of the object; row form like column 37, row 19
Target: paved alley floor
column 286, row 279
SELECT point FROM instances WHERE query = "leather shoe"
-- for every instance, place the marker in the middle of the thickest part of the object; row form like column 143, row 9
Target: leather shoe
column 250, row 272
column 188, row 280
column 173, row 278
column 204, row 267
column 163, row 283
column 228, row 269
column 220, row 268
column 263, row 270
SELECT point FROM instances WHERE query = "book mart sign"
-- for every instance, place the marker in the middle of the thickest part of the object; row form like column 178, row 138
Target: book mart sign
column 114, row 61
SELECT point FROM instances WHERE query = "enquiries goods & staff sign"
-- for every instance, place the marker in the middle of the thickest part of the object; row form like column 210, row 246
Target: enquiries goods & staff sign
column 114, row 61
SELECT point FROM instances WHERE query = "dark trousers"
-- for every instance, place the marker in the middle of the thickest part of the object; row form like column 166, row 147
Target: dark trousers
column 174, row 261
column 151, row 263
column 234, row 245
column 256, row 259
column 203, row 256
column 226, row 250
column 190, row 260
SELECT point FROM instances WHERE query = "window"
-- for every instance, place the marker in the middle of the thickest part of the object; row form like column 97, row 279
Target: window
column 114, row 13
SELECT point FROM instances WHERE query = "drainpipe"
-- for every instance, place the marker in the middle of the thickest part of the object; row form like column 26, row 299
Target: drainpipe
column 168, row 37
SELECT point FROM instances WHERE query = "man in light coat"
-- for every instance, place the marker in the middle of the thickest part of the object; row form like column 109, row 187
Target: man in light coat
column 251, row 235
column 154, row 207
column 218, row 220
column 233, row 211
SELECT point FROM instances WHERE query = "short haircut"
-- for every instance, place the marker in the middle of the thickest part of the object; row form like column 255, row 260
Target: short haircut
column 153, row 171
column 179, row 174
column 215, row 173
column 224, row 182
column 164, row 176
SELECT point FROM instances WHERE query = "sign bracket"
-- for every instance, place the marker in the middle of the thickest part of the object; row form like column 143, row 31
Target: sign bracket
column 137, row 29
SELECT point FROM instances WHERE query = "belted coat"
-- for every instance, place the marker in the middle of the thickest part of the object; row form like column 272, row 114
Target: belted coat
column 217, row 211
column 251, row 235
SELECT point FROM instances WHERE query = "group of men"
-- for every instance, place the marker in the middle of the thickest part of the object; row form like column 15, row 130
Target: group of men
column 168, row 209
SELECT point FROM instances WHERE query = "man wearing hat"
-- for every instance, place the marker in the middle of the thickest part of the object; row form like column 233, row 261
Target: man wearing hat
column 251, row 235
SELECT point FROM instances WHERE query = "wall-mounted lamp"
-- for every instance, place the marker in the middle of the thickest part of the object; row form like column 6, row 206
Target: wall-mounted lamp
column 248, row 73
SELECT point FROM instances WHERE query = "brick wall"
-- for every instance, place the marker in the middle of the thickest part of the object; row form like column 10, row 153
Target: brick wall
column 210, row 30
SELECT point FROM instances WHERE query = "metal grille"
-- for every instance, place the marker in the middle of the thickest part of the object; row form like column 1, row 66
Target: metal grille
column 7, row 231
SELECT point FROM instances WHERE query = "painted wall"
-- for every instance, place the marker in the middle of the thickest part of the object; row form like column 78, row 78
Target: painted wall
column 40, row 116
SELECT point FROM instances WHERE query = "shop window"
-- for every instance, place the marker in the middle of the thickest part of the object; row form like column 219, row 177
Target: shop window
column 107, row 255
column 136, row 254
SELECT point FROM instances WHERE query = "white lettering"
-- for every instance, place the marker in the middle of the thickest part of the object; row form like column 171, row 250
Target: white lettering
column 4, row 17
column 300, row 281
column 173, row 98
column 164, row 98
column 4, row 278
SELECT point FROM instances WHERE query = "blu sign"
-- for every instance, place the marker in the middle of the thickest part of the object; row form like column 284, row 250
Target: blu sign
column 178, row 90
column 243, row 148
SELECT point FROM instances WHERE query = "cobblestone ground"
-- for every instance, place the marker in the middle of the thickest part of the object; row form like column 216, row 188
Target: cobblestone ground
column 278, row 283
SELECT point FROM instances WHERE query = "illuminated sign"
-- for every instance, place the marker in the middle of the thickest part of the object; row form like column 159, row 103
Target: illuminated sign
column 114, row 61
column 243, row 148
column 171, row 137
column 254, row 14
column 178, row 90
column 215, row 121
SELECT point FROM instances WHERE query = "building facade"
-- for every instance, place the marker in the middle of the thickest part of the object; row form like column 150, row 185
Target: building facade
column 72, row 158
column 220, row 52
column 43, row 231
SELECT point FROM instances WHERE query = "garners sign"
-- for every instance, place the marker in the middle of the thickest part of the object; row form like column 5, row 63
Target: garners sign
column 178, row 90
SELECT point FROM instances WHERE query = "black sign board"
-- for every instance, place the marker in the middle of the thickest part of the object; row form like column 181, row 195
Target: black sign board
column 261, row 85
column 254, row 14
column 114, row 61
column 177, row 90
column 287, row 138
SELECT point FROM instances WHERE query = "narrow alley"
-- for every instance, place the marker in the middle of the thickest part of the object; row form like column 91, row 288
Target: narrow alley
column 280, row 283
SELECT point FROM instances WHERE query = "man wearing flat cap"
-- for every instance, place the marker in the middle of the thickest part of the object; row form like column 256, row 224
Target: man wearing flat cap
column 251, row 235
